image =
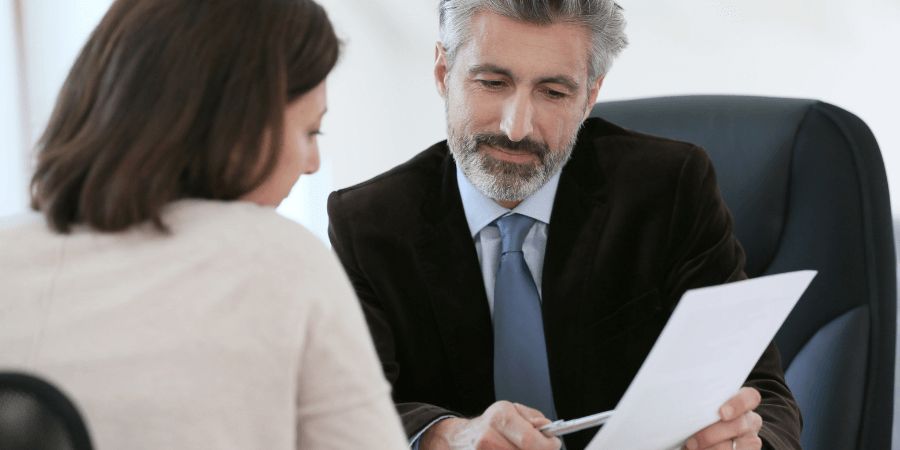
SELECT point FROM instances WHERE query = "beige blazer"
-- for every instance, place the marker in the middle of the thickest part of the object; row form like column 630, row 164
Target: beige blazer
column 238, row 330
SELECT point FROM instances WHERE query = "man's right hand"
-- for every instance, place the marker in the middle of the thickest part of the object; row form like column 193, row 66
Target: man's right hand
column 503, row 426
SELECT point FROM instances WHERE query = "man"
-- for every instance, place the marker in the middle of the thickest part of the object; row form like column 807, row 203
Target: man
column 534, row 257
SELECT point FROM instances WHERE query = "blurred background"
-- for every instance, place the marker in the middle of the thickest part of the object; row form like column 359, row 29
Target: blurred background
column 383, row 107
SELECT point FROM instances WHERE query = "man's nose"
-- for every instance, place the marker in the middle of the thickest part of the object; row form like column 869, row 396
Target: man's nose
column 517, row 117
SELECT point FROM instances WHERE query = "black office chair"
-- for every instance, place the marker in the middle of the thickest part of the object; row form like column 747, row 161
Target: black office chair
column 34, row 415
column 807, row 188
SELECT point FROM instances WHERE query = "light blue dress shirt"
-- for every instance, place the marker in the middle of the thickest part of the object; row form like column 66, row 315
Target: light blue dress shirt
column 481, row 211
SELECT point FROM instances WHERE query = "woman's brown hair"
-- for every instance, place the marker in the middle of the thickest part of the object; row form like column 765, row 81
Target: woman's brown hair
column 174, row 99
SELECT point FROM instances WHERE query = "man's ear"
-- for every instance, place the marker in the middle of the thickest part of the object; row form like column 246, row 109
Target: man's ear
column 440, row 69
column 592, row 96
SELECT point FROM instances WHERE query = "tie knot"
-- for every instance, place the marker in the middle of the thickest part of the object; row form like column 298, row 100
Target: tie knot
column 513, row 229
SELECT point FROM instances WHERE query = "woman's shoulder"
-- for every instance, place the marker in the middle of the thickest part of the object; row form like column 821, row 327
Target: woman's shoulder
column 249, row 231
column 23, row 235
column 236, row 222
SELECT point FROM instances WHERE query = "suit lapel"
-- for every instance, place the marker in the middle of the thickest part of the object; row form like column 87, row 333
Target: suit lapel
column 451, row 271
column 579, row 213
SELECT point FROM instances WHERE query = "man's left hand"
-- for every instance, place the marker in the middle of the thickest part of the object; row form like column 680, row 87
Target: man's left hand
column 738, row 428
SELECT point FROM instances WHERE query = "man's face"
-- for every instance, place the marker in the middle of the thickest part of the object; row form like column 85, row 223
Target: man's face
column 515, row 96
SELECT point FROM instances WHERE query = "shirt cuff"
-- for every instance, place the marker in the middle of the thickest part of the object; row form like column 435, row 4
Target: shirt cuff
column 414, row 441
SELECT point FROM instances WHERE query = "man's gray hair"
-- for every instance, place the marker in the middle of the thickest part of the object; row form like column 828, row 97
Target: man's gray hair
column 602, row 18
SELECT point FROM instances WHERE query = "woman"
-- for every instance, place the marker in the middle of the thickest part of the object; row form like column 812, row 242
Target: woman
column 160, row 289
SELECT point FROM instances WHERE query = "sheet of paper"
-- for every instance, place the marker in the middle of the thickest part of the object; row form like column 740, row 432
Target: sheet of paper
column 705, row 352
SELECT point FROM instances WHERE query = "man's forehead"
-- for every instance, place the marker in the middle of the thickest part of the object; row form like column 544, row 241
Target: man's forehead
column 527, row 50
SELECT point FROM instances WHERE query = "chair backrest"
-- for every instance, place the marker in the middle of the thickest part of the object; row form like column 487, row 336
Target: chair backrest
column 34, row 415
column 806, row 185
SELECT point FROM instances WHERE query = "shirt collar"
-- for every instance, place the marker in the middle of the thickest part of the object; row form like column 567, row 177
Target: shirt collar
column 481, row 210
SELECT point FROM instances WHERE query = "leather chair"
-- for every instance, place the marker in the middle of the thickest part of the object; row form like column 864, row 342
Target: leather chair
column 806, row 185
column 34, row 415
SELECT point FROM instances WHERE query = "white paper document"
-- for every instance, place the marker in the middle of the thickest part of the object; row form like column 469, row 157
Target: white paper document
column 704, row 354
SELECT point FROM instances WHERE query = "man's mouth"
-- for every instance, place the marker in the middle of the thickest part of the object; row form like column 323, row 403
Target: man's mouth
column 509, row 155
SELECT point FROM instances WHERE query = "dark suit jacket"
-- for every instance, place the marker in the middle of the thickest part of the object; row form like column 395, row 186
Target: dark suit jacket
column 637, row 220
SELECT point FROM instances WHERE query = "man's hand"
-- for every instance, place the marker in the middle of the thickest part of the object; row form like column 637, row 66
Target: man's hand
column 738, row 428
column 503, row 426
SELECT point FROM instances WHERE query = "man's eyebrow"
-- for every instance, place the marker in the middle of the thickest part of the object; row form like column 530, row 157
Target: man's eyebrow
column 561, row 79
column 489, row 68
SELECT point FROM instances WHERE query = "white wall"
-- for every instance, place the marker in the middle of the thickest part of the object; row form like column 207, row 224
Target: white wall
column 13, row 193
column 382, row 102
column 845, row 53
column 55, row 31
column 384, row 108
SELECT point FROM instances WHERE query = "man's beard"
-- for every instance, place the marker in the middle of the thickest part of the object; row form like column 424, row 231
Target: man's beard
column 504, row 180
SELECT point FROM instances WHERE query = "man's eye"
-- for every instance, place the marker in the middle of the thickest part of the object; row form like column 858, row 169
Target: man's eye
column 492, row 84
column 556, row 94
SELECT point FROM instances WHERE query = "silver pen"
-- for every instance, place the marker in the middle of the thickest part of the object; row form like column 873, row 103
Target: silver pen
column 561, row 427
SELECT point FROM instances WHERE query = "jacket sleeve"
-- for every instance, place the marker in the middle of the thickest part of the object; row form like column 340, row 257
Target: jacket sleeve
column 414, row 416
column 703, row 251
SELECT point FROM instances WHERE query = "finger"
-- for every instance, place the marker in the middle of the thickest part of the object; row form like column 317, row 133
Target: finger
column 529, row 438
column 494, row 439
column 520, row 431
column 724, row 432
column 747, row 399
column 528, row 412
column 720, row 446
column 748, row 442
column 489, row 439
column 727, row 445
column 534, row 416
column 539, row 421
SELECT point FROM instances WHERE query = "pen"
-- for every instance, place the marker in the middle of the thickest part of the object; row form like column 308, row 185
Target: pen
column 563, row 427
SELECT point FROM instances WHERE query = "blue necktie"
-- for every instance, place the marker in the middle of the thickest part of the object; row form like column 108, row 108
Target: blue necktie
column 521, row 372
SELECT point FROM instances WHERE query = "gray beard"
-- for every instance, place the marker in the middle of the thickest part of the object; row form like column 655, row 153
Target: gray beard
column 503, row 180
